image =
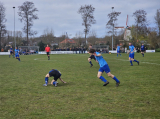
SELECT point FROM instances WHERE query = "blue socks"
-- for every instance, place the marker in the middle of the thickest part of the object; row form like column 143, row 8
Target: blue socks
column 102, row 78
column 135, row 60
column 54, row 82
column 19, row 59
column 116, row 79
column 117, row 55
column 46, row 80
column 90, row 62
column 131, row 62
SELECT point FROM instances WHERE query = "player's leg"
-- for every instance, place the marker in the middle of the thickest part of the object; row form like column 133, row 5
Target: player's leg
column 130, row 60
column 18, row 57
column 54, row 81
column 99, row 75
column 9, row 54
column 113, row 77
column 107, row 70
column 12, row 54
column 89, row 60
column 117, row 53
column 143, row 53
column 120, row 53
column 46, row 80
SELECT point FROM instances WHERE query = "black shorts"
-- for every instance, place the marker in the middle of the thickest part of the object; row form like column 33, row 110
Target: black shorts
column 142, row 50
column 55, row 75
column 11, row 52
column 47, row 53
column 92, row 57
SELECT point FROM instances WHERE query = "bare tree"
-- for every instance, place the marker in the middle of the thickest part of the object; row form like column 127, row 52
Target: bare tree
column 141, row 22
column 87, row 16
column 157, row 19
column 112, row 19
column 27, row 15
column 2, row 22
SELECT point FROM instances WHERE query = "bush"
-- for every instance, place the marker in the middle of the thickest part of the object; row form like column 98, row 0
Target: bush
column 157, row 50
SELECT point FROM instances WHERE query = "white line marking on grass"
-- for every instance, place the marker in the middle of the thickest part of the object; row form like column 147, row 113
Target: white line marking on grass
column 140, row 62
column 42, row 59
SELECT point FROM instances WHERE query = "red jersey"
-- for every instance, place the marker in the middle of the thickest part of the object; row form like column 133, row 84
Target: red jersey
column 47, row 49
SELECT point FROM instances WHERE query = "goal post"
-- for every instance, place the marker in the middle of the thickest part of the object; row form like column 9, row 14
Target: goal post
column 26, row 50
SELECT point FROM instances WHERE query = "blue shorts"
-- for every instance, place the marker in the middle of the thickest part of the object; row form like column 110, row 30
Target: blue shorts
column 118, row 51
column 131, row 56
column 16, row 55
column 104, row 68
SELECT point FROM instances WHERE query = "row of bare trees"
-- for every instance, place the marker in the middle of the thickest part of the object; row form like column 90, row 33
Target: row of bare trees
column 28, row 12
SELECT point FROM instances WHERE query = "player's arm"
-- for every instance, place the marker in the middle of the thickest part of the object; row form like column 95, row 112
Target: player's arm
column 62, row 80
column 133, row 50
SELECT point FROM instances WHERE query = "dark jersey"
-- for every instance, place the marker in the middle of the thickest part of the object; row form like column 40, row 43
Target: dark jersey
column 55, row 73
column 142, row 48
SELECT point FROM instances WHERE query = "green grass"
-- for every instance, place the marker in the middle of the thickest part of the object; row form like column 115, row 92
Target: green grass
column 22, row 95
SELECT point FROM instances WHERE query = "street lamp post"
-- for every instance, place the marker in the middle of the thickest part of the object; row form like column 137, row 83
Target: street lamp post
column 14, row 27
column 113, row 29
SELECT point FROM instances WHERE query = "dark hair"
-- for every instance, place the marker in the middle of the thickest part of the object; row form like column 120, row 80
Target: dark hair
column 92, row 50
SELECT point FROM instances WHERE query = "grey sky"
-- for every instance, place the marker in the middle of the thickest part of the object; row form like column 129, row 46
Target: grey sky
column 62, row 16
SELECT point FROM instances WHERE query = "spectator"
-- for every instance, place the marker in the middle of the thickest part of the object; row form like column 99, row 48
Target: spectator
column 79, row 50
column 2, row 50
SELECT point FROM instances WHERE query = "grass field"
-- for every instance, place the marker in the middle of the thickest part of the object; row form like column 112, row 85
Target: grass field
column 22, row 95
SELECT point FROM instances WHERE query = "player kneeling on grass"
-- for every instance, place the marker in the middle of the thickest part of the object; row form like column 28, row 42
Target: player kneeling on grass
column 56, row 74
column 103, row 67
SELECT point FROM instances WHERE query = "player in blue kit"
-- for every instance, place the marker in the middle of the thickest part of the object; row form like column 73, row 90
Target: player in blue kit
column 11, row 52
column 103, row 67
column 142, row 50
column 56, row 74
column 17, row 54
column 118, row 50
column 131, row 54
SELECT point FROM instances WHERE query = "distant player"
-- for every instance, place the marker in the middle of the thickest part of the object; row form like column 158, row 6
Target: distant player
column 142, row 50
column 91, row 57
column 56, row 74
column 118, row 50
column 103, row 67
column 11, row 52
column 47, row 49
column 131, row 54
column 17, row 54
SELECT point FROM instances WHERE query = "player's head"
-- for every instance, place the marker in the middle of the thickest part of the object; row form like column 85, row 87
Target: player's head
column 130, row 44
column 142, row 43
column 16, row 47
column 92, row 51
column 47, row 45
column 11, row 46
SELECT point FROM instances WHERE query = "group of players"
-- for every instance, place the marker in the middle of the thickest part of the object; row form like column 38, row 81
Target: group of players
column 104, row 67
column 16, row 53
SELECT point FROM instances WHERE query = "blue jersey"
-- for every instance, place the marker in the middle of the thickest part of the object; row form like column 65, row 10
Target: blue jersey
column 100, row 60
column 118, row 48
column 11, row 50
column 16, row 52
column 142, row 47
column 131, row 48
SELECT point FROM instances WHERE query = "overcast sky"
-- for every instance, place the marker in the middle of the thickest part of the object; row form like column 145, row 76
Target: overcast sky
column 62, row 16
